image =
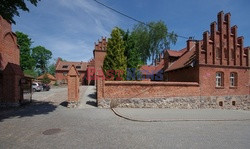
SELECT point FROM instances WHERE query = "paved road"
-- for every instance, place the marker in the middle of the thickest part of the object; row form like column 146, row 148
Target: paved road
column 100, row 128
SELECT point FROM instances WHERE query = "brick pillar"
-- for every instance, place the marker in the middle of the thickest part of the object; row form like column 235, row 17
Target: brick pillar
column 100, row 87
column 73, row 87
column 213, row 36
column 234, row 32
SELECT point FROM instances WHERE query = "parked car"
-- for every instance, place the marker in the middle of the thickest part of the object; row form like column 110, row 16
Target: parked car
column 46, row 87
column 36, row 87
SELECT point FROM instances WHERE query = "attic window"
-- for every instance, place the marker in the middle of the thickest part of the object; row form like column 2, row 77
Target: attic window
column 78, row 67
column 65, row 66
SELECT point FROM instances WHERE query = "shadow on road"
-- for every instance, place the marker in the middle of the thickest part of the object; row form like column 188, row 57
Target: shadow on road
column 93, row 96
column 92, row 103
column 32, row 109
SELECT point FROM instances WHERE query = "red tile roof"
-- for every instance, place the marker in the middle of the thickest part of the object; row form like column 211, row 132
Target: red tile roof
column 149, row 69
column 175, row 53
column 65, row 66
column 50, row 76
column 184, row 61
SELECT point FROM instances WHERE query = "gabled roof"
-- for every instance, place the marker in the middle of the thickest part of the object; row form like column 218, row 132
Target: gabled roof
column 175, row 53
column 11, row 69
column 149, row 69
column 51, row 77
column 73, row 71
column 184, row 61
column 65, row 66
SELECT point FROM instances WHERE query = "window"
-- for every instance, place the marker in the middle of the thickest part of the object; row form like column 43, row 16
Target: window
column 65, row 66
column 218, row 53
column 219, row 79
column 233, row 77
column 65, row 73
column 78, row 67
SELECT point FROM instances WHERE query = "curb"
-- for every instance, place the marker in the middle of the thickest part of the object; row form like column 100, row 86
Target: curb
column 173, row 120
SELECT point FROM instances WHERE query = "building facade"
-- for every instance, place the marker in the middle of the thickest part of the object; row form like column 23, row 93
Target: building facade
column 10, row 70
column 219, row 62
column 88, row 70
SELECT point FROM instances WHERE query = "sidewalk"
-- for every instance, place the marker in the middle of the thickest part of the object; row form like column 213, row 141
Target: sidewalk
column 146, row 114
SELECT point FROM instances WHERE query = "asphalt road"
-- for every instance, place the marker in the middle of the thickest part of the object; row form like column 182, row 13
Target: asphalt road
column 101, row 128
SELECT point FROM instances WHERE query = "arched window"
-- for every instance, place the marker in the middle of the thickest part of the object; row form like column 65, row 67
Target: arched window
column 233, row 79
column 219, row 79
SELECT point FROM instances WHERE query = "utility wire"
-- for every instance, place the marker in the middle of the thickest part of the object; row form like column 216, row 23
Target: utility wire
column 134, row 19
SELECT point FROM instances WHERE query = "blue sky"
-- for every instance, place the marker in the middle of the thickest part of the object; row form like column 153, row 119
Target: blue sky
column 69, row 28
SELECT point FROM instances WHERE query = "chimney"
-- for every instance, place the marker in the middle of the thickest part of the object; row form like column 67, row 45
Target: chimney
column 190, row 44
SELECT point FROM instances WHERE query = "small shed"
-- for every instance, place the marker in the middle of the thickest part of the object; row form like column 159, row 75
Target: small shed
column 50, row 76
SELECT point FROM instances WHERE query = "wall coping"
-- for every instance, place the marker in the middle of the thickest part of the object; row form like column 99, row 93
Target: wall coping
column 151, row 83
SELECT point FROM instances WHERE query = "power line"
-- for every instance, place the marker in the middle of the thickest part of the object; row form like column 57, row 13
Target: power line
column 132, row 18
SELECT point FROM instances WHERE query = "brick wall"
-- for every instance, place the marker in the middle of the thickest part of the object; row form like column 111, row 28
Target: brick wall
column 149, row 94
column 61, row 78
column 9, row 50
column 208, row 81
column 190, row 74
column 10, row 90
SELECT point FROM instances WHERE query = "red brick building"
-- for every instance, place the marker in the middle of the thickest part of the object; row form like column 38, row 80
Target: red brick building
column 10, row 71
column 219, row 62
column 87, row 70
column 63, row 67
column 210, row 73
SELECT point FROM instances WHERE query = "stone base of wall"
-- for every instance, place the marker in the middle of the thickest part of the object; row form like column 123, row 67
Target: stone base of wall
column 73, row 104
column 196, row 102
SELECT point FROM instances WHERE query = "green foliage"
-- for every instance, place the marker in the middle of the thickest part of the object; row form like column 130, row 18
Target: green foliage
column 41, row 56
column 10, row 8
column 56, row 84
column 26, row 61
column 46, row 79
column 152, row 39
column 115, row 58
column 52, row 69
column 31, row 73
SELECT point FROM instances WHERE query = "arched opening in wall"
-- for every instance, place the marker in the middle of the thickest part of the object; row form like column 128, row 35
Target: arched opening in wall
column 233, row 103
column 221, row 103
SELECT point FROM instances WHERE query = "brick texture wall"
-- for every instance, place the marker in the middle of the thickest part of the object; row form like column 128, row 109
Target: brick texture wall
column 10, row 91
column 145, row 89
column 190, row 74
column 9, row 50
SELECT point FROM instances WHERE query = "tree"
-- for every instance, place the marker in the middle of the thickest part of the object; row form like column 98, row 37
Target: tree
column 41, row 56
column 153, row 38
column 32, row 73
column 52, row 69
column 10, row 8
column 115, row 60
column 26, row 61
column 46, row 79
